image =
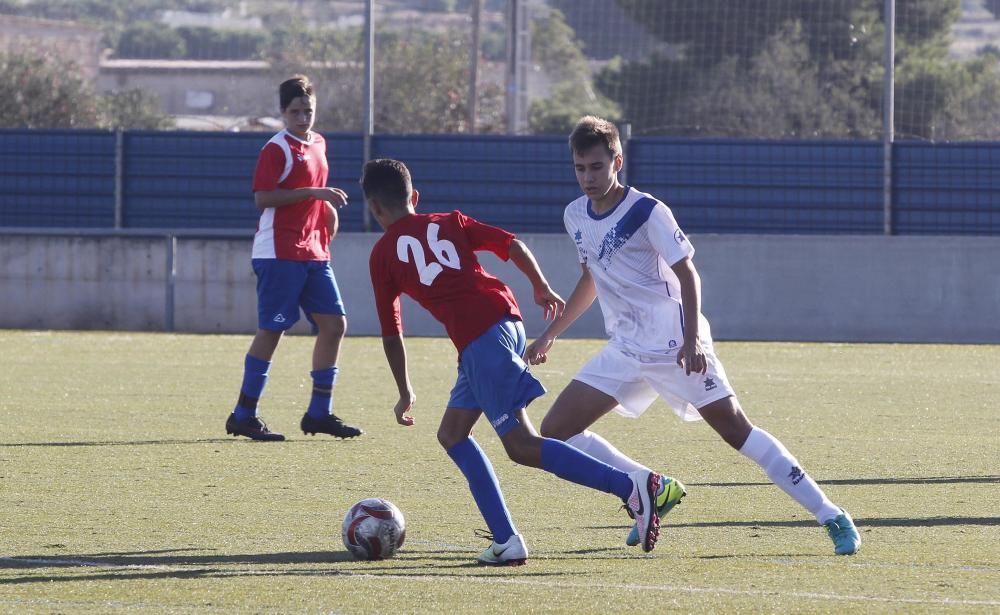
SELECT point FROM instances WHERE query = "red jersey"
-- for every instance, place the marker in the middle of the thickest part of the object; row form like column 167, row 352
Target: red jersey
column 297, row 231
column 431, row 258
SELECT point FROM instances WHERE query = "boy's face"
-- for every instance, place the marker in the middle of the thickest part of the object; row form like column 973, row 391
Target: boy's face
column 596, row 171
column 299, row 115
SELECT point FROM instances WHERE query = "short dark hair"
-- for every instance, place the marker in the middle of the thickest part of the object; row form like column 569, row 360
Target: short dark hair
column 387, row 181
column 591, row 131
column 296, row 87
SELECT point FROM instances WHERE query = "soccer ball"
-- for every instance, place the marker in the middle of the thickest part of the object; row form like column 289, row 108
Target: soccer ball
column 373, row 529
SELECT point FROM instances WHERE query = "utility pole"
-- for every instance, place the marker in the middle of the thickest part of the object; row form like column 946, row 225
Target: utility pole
column 472, row 105
column 518, row 58
column 888, row 117
column 369, row 121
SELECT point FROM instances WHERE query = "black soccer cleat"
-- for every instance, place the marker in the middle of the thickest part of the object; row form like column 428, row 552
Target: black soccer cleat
column 328, row 424
column 253, row 428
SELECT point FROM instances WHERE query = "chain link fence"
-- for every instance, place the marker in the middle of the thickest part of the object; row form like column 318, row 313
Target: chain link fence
column 713, row 68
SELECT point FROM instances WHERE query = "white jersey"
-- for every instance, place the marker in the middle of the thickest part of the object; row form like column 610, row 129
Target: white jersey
column 629, row 251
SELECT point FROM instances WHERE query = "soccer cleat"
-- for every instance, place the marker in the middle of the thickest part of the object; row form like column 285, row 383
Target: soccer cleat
column 645, row 486
column 330, row 424
column 511, row 553
column 671, row 492
column 845, row 537
column 253, row 428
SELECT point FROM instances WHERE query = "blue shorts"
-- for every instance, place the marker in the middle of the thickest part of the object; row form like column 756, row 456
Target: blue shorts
column 284, row 286
column 493, row 378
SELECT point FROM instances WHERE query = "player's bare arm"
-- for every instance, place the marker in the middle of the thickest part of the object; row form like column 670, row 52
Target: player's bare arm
column 579, row 301
column 281, row 196
column 691, row 356
column 395, row 354
column 550, row 302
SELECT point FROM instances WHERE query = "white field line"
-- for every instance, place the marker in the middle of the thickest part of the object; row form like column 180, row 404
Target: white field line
column 548, row 584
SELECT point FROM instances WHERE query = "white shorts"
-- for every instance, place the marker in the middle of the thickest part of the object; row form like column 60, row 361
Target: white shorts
column 635, row 380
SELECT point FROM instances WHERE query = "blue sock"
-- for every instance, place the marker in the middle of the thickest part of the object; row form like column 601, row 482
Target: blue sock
column 576, row 466
column 254, row 381
column 321, row 403
column 476, row 467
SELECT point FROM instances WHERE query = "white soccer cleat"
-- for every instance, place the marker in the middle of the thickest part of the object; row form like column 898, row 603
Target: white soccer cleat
column 511, row 553
column 642, row 503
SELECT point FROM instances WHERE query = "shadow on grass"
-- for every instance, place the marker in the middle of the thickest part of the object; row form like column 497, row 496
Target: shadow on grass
column 915, row 480
column 859, row 521
column 162, row 442
column 171, row 557
column 137, row 566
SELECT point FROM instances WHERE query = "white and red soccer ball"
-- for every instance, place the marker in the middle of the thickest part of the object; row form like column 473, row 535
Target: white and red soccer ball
column 373, row 529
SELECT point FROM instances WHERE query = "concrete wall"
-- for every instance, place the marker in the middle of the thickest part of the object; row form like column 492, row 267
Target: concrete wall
column 756, row 287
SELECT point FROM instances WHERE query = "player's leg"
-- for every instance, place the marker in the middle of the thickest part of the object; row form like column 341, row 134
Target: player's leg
column 637, row 489
column 278, row 286
column 727, row 418
column 607, row 381
column 244, row 420
column 503, row 386
column 455, row 436
column 577, row 408
column 321, row 301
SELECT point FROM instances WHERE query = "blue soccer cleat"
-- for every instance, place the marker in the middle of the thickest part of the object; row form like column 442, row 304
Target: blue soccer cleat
column 670, row 494
column 845, row 537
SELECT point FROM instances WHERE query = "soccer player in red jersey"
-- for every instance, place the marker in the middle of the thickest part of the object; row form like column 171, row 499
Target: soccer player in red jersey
column 431, row 258
column 291, row 259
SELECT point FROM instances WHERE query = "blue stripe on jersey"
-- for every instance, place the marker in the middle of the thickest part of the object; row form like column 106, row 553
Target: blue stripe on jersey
column 631, row 222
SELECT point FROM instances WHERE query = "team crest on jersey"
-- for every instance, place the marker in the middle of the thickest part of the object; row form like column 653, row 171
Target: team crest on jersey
column 679, row 236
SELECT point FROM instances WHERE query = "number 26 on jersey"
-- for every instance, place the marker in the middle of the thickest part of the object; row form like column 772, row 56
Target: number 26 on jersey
column 443, row 252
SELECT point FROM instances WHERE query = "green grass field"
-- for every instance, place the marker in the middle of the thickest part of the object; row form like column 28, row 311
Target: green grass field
column 119, row 490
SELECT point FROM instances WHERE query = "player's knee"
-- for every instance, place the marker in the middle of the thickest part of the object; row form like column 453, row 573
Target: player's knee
column 523, row 450
column 551, row 428
column 448, row 438
column 336, row 327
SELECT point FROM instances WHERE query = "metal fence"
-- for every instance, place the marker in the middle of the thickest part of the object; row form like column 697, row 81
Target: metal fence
column 766, row 116
column 200, row 180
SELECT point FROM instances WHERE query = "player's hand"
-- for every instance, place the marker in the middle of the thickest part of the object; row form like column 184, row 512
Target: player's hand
column 537, row 353
column 692, row 358
column 402, row 410
column 551, row 303
column 333, row 196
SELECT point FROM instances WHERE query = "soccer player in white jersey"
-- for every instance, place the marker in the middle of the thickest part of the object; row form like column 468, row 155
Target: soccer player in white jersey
column 291, row 259
column 637, row 262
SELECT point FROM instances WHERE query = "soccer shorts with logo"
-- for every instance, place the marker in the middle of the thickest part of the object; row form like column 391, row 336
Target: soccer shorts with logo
column 283, row 286
column 493, row 377
column 636, row 379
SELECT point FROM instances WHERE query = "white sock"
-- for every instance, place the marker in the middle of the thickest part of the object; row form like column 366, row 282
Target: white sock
column 602, row 450
column 784, row 470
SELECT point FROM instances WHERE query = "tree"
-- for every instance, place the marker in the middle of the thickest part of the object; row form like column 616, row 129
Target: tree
column 421, row 79
column 743, row 97
column 39, row 90
column 218, row 44
column 42, row 90
column 133, row 109
column 557, row 52
column 150, row 40
column 753, row 55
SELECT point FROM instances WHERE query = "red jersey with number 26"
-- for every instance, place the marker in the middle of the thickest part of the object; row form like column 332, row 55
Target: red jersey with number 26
column 431, row 258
